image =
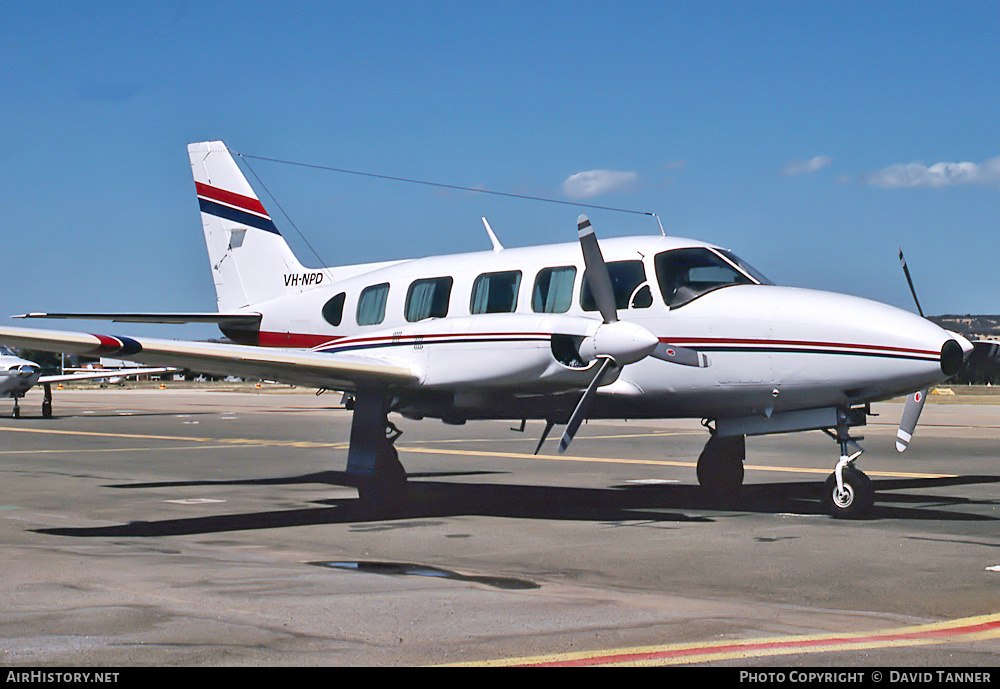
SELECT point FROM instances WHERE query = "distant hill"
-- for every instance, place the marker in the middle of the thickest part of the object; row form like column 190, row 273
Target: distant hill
column 982, row 367
column 982, row 326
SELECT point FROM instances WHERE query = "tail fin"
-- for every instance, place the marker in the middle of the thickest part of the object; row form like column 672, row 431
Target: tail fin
column 251, row 262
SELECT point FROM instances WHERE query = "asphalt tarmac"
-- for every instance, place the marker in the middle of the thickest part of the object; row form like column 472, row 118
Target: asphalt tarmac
column 198, row 527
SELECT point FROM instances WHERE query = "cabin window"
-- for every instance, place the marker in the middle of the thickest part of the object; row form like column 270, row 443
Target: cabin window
column 685, row 274
column 333, row 310
column 428, row 299
column 371, row 304
column 495, row 292
column 553, row 291
column 628, row 280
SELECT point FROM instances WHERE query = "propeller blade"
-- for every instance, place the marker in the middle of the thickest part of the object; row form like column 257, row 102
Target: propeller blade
column 549, row 423
column 909, row 281
column 908, row 424
column 680, row 355
column 580, row 413
column 598, row 277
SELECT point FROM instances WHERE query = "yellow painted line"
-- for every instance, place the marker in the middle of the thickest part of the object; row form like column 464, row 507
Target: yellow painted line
column 650, row 462
column 193, row 439
column 965, row 630
column 76, row 451
column 463, row 452
column 653, row 434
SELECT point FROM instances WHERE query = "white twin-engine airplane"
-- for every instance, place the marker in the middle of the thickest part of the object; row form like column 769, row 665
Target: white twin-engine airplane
column 18, row 375
column 636, row 327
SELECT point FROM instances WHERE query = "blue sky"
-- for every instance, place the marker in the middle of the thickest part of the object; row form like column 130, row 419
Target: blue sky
column 810, row 138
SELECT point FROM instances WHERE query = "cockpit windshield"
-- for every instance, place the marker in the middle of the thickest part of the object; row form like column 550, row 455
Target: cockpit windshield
column 5, row 351
column 686, row 274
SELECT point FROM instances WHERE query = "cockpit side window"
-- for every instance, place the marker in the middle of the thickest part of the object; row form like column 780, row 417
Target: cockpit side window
column 628, row 279
column 685, row 274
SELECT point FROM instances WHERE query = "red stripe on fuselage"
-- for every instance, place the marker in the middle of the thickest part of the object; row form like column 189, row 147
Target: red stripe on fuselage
column 279, row 339
column 285, row 339
column 302, row 340
column 717, row 341
column 231, row 198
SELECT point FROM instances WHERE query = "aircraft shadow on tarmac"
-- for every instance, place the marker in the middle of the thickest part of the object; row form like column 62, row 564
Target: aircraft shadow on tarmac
column 655, row 503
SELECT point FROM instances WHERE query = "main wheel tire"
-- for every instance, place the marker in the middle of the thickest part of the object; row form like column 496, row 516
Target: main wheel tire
column 855, row 501
column 720, row 468
column 386, row 489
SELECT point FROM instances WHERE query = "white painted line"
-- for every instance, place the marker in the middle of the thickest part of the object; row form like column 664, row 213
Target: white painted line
column 194, row 501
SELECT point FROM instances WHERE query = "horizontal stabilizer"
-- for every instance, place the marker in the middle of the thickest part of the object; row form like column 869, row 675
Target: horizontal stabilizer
column 105, row 373
column 234, row 318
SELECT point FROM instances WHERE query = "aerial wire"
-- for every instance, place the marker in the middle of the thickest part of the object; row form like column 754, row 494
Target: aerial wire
column 451, row 186
column 284, row 213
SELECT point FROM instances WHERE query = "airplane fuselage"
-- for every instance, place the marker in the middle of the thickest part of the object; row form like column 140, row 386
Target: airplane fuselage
column 487, row 351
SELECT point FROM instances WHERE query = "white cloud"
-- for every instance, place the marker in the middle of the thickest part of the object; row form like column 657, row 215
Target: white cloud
column 937, row 175
column 586, row 185
column 798, row 167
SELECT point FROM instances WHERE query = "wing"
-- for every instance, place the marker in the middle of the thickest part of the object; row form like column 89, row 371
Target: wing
column 295, row 366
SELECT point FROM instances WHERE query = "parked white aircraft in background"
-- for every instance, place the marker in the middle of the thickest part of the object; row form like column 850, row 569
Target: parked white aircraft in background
column 666, row 327
column 18, row 375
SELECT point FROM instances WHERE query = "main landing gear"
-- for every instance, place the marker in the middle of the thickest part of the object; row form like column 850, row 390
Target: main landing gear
column 720, row 467
column 372, row 460
column 46, row 404
column 847, row 494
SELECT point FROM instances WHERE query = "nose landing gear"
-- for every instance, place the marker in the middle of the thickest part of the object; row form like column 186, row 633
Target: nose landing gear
column 848, row 493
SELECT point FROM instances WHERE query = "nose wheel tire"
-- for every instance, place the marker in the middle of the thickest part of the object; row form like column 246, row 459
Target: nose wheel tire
column 855, row 501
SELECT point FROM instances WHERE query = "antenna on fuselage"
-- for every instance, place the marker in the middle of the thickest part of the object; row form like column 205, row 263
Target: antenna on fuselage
column 659, row 223
column 497, row 246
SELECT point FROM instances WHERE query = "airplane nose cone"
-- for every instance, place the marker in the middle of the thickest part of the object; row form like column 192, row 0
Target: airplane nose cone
column 953, row 356
column 954, row 352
